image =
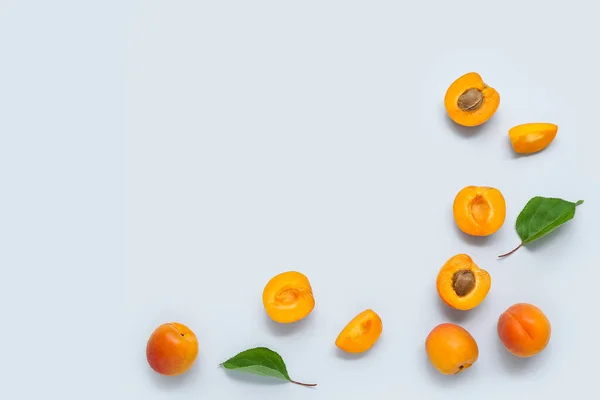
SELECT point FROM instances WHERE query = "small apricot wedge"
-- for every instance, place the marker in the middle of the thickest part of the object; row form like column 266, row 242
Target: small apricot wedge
column 361, row 333
column 533, row 137
column 524, row 330
column 461, row 284
column 451, row 349
column 288, row 297
column 471, row 102
column 479, row 210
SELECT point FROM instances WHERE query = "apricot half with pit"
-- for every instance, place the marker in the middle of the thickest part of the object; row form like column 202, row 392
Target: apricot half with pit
column 288, row 297
column 461, row 284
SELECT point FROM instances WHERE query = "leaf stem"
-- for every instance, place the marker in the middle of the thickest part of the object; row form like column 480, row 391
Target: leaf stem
column 580, row 202
column 303, row 384
column 510, row 252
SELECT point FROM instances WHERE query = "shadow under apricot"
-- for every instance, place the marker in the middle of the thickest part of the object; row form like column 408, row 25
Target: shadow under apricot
column 469, row 239
column 169, row 383
column 519, row 365
column 462, row 131
column 279, row 329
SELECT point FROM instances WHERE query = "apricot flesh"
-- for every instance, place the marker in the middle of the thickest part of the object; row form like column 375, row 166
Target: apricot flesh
column 451, row 349
column 360, row 334
column 461, row 284
column 532, row 137
column 288, row 297
column 479, row 210
column 172, row 349
column 524, row 330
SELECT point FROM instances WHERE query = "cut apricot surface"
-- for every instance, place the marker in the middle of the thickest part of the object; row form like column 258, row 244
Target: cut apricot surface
column 479, row 210
column 524, row 330
column 288, row 297
column 532, row 137
column 461, row 284
column 471, row 102
column 361, row 333
column 451, row 349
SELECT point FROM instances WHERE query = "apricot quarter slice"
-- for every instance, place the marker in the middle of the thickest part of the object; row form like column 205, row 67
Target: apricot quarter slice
column 532, row 137
column 451, row 349
column 471, row 102
column 361, row 333
column 524, row 330
column 288, row 297
column 461, row 284
column 479, row 210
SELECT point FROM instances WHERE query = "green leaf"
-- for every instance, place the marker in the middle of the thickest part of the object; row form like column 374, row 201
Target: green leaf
column 261, row 361
column 540, row 216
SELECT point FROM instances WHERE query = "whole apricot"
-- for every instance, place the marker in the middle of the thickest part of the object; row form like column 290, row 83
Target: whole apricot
column 451, row 348
column 524, row 330
column 469, row 101
column 288, row 297
column 360, row 334
column 461, row 284
column 172, row 349
column 479, row 210
column 532, row 137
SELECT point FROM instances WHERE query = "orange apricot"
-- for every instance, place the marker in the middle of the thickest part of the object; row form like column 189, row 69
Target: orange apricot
column 461, row 284
column 471, row 102
column 532, row 137
column 361, row 333
column 479, row 210
column 172, row 349
column 288, row 297
column 524, row 330
column 451, row 349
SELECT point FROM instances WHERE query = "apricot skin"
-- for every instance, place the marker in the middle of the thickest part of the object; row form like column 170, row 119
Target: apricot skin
column 360, row 334
column 288, row 297
column 524, row 330
column 479, row 108
column 446, row 288
column 479, row 210
column 172, row 349
column 533, row 137
column 451, row 349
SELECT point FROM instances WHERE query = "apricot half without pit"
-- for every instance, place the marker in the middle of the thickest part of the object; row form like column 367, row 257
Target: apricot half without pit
column 479, row 210
column 461, row 284
column 288, row 297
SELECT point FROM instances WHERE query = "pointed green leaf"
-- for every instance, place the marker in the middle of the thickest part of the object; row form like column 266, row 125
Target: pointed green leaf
column 260, row 361
column 542, row 215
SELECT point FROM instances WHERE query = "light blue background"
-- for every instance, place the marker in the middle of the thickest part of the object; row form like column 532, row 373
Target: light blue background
column 162, row 160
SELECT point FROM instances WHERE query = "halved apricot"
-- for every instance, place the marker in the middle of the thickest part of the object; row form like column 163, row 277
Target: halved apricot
column 532, row 137
column 461, row 284
column 288, row 297
column 469, row 101
column 479, row 210
column 361, row 333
